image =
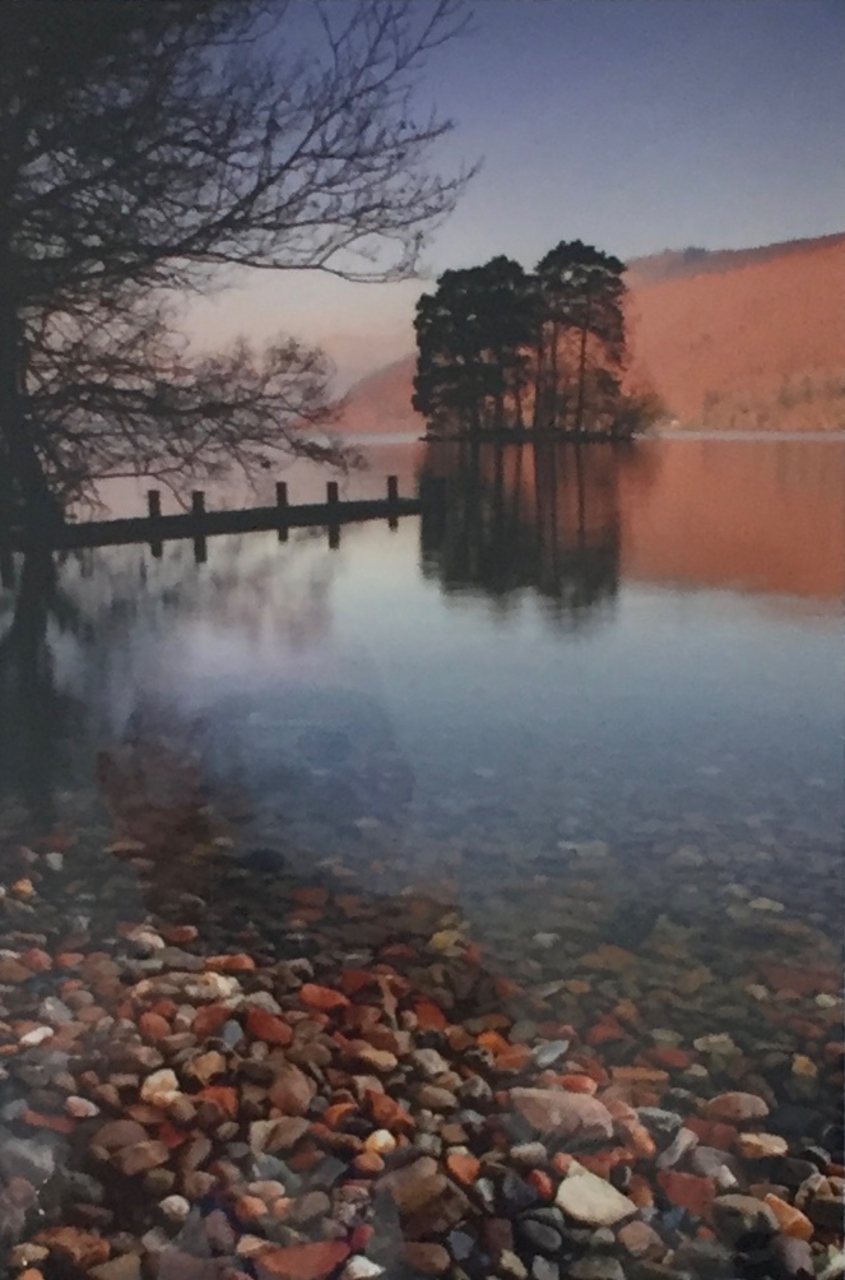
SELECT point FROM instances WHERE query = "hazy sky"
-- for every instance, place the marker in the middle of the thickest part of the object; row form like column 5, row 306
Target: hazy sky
column 636, row 125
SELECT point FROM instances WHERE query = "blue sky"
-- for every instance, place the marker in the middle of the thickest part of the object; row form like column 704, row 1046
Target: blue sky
column 636, row 125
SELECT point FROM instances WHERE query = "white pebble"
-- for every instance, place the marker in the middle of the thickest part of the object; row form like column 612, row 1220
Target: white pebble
column 37, row 1036
column 175, row 1208
column 361, row 1268
column 55, row 861
column 80, row 1108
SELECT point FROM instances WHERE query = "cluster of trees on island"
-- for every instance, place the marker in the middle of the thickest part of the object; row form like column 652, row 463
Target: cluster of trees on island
column 501, row 348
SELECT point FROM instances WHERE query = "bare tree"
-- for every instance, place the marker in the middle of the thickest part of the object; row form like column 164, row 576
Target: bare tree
column 150, row 151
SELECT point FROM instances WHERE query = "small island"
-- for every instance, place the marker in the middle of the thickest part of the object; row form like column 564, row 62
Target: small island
column 510, row 355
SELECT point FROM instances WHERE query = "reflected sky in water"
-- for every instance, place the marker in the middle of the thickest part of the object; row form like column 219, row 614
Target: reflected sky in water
column 633, row 647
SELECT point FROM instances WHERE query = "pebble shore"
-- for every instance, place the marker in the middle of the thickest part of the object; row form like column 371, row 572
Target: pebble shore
column 361, row 1091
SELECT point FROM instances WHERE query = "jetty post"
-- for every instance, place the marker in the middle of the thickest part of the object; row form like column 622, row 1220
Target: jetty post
column 393, row 499
column 282, row 505
column 154, row 513
column 197, row 514
column 334, row 524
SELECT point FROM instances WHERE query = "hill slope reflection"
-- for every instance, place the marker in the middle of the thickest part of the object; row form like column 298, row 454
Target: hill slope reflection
column 566, row 523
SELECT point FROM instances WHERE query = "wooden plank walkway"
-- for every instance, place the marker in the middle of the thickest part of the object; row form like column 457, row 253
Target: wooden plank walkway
column 199, row 523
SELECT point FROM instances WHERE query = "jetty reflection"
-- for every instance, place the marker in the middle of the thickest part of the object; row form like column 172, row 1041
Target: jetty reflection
column 542, row 519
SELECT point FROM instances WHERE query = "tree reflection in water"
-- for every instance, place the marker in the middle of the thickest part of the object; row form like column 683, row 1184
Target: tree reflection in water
column 525, row 518
column 95, row 648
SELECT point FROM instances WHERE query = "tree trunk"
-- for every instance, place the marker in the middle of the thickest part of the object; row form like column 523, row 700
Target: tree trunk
column 582, row 369
column 553, row 406
column 25, row 482
column 538, row 376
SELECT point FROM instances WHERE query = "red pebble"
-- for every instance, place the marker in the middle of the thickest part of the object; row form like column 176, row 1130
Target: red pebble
column 599, row 1162
column 267, row 1027
column 57, row 1124
column 230, row 964
column 311, row 896
column 578, row 1083
column 36, row 961
column 542, row 1183
column 688, row 1191
column 430, row 1017
column 225, row 1098
column 361, row 1237
column 675, row 1059
column 355, row 980
column 153, row 1026
column 209, row 1019
column 170, row 1135
column 605, row 1031
column 316, row 997
column 304, row 1261
column 178, row 934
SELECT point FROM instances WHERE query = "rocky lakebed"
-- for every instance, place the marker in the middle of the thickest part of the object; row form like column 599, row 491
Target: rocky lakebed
column 220, row 1062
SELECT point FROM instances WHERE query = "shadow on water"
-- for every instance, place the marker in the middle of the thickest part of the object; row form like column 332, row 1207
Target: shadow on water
column 37, row 717
column 521, row 518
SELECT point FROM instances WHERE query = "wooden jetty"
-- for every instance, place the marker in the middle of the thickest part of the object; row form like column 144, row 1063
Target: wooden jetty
column 199, row 523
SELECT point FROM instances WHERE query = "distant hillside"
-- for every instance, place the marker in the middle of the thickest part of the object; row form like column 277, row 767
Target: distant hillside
column 693, row 262
column 731, row 339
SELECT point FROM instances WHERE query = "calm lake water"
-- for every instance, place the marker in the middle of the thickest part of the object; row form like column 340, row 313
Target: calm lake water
column 564, row 755
column 642, row 648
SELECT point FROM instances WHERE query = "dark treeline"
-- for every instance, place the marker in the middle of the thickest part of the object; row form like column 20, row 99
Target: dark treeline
column 500, row 348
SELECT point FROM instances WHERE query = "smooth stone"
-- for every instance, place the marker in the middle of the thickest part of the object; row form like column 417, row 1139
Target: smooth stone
column 511, row 1266
column 705, row 1258
column 545, row 1055
column 736, row 1106
column 660, row 1123
column 160, row 1088
column 141, row 1157
column 794, row 1257
column 544, row 1269
column 175, row 1208
column 683, row 1142
column 596, row 1267
column 415, row 1185
column 31, row 1158
column 426, row 1257
column 539, row 1236
column 566, row 1115
column 739, row 1216
column 56, row 1011
column 761, row 1146
column 589, row 1199
column 429, row 1062
column 361, row 1268
column 460, row 1245
column 434, row 1098
column 530, row 1154
column 37, row 1036
column 517, row 1195
column 126, row 1267
column 641, row 1240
